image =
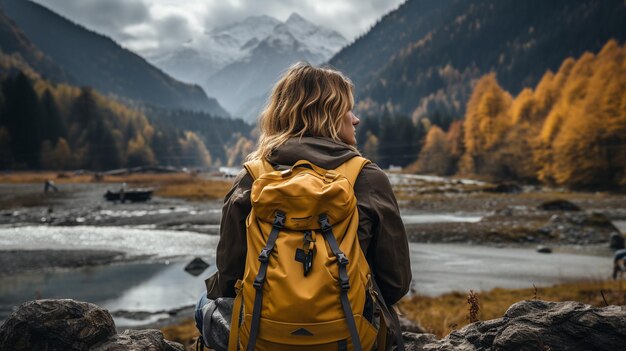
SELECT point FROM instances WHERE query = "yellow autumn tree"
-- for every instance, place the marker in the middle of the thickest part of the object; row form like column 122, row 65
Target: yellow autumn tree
column 590, row 148
column 194, row 152
column 237, row 154
column 569, row 131
column 434, row 157
column 139, row 153
column 486, row 120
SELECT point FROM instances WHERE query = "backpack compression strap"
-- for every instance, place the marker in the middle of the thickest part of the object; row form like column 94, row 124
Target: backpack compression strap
column 344, row 281
column 264, row 257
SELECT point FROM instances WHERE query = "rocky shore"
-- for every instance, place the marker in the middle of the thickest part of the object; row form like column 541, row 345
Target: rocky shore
column 526, row 325
column 15, row 261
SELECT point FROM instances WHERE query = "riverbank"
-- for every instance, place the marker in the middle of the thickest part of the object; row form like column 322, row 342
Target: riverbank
column 447, row 210
column 462, row 235
column 147, row 284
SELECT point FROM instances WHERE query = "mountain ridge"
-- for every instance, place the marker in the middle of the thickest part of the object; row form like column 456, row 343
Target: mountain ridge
column 439, row 49
column 92, row 59
column 243, row 84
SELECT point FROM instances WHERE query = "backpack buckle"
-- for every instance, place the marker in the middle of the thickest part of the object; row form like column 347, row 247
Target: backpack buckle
column 345, row 285
column 279, row 220
column 258, row 284
column 265, row 255
column 342, row 259
column 324, row 223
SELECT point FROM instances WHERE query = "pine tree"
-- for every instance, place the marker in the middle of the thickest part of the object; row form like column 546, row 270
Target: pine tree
column 22, row 118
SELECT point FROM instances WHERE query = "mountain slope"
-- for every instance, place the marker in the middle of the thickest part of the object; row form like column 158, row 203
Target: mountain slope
column 14, row 41
column 518, row 40
column 94, row 60
column 409, row 23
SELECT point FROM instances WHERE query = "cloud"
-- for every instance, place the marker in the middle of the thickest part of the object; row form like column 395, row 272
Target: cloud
column 144, row 25
column 108, row 16
column 173, row 30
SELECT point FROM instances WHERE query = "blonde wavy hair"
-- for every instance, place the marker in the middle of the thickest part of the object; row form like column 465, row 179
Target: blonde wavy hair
column 306, row 101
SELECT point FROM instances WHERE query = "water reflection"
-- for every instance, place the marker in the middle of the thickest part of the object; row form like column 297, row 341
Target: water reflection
column 149, row 287
column 439, row 218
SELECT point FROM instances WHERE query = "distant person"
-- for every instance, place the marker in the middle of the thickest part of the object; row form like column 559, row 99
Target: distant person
column 49, row 185
column 619, row 263
column 307, row 131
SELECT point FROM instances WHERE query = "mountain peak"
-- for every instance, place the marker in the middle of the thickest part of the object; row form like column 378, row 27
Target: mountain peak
column 295, row 18
column 248, row 22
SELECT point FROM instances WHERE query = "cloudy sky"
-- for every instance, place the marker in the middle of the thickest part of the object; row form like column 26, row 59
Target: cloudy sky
column 147, row 25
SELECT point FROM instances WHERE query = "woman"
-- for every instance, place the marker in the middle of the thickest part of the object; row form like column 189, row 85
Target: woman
column 309, row 116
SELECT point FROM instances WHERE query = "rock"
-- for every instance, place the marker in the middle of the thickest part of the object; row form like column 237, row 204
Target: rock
column 544, row 249
column 616, row 241
column 73, row 325
column 149, row 339
column 579, row 228
column 558, row 205
column 536, row 325
column 196, row 266
column 408, row 325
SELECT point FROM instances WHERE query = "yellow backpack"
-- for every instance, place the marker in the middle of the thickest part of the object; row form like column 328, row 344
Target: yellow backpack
column 306, row 279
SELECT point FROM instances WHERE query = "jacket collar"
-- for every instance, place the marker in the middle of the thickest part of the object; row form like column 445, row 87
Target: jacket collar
column 323, row 152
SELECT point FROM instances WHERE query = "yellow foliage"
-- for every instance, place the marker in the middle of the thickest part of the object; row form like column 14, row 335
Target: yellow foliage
column 486, row 120
column 194, row 151
column 571, row 130
column 435, row 155
column 238, row 153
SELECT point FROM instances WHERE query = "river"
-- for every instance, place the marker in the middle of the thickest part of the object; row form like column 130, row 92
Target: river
column 158, row 283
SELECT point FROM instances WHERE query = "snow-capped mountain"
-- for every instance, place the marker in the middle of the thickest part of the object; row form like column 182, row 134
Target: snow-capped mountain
column 196, row 60
column 238, row 63
column 317, row 40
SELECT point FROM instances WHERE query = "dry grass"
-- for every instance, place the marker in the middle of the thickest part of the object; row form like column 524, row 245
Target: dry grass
column 185, row 333
column 442, row 314
column 41, row 177
column 182, row 185
column 196, row 190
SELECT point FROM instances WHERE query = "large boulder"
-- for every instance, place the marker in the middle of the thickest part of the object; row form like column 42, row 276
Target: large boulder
column 559, row 205
column 579, row 228
column 536, row 325
column 73, row 325
column 617, row 241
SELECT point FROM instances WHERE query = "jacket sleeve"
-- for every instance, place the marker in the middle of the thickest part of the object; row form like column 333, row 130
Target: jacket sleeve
column 381, row 226
column 232, row 248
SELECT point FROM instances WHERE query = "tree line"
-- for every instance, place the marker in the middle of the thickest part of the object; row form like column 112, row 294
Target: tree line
column 58, row 126
column 570, row 130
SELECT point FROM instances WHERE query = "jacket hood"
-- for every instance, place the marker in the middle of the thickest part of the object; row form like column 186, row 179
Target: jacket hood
column 322, row 152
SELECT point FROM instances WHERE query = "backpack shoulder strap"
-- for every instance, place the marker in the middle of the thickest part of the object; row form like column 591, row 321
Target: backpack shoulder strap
column 257, row 168
column 351, row 168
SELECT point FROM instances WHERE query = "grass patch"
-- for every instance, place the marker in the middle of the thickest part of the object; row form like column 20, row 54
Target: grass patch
column 41, row 177
column 196, row 190
column 442, row 314
column 181, row 185
column 185, row 333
